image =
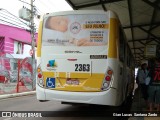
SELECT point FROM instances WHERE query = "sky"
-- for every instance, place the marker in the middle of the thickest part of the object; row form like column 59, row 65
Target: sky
column 42, row 6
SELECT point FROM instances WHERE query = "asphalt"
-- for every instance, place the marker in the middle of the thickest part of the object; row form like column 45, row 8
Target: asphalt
column 138, row 104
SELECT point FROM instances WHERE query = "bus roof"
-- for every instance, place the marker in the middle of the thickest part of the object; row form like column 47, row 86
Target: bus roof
column 111, row 13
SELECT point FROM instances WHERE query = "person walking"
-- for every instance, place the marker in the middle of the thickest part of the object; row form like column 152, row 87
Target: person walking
column 142, row 75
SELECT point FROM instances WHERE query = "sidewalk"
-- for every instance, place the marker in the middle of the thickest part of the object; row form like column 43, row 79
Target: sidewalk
column 139, row 105
column 14, row 89
column 5, row 96
column 11, row 88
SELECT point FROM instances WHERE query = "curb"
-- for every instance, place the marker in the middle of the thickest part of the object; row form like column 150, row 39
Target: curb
column 17, row 94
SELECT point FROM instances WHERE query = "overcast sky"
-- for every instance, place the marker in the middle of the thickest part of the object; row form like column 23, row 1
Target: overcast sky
column 42, row 6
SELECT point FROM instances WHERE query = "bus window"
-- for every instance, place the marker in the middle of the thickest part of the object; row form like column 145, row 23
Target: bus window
column 121, row 45
column 128, row 57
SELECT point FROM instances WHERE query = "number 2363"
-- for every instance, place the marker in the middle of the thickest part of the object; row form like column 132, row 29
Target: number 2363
column 82, row 67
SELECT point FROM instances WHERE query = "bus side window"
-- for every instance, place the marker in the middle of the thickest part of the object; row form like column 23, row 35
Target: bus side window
column 128, row 57
column 121, row 45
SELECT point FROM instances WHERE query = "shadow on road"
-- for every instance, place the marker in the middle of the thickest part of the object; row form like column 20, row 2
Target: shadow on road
column 90, row 111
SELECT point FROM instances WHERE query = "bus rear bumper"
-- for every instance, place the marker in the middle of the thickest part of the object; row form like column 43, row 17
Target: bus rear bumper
column 102, row 98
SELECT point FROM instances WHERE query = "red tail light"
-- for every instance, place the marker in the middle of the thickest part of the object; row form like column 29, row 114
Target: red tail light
column 108, row 78
column 39, row 75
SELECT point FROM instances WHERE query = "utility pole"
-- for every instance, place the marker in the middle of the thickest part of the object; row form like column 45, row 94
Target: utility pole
column 28, row 15
column 32, row 30
column 33, row 42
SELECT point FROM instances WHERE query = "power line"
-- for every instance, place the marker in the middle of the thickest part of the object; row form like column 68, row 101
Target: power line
column 13, row 15
column 30, row 4
column 7, row 19
column 11, row 18
column 13, row 24
column 44, row 4
column 38, row 10
column 26, row 3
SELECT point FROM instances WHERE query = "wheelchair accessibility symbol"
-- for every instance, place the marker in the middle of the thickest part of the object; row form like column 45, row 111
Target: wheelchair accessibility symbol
column 50, row 82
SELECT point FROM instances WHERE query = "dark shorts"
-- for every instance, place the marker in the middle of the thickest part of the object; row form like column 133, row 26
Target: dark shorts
column 144, row 89
column 154, row 94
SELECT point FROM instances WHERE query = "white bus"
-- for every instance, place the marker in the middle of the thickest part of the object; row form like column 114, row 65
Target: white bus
column 83, row 57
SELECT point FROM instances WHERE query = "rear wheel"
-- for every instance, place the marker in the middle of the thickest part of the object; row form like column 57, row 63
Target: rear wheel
column 127, row 104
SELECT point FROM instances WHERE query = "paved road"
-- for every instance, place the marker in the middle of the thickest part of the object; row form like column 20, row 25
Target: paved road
column 54, row 108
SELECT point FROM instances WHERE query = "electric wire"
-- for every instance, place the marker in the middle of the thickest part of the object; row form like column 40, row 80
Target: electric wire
column 13, row 16
column 44, row 4
column 10, row 18
column 13, row 24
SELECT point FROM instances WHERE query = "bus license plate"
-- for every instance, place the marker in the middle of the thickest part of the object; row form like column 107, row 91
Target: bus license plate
column 72, row 82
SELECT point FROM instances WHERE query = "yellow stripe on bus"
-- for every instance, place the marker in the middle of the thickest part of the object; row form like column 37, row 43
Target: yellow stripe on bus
column 113, row 38
column 87, row 81
column 39, row 44
column 72, row 74
column 80, row 75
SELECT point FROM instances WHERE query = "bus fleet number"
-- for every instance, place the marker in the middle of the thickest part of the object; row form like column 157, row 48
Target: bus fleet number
column 82, row 67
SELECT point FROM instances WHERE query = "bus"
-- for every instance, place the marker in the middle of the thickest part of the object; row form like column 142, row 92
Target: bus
column 83, row 57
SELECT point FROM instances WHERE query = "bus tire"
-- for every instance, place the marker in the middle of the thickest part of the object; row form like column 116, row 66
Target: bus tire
column 127, row 104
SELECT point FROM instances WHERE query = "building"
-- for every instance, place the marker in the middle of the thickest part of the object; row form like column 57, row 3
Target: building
column 16, row 42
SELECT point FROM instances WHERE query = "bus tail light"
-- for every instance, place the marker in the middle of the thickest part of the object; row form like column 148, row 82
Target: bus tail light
column 40, row 81
column 107, row 79
column 105, row 84
column 38, row 70
column 39, row 75
column 109, row 72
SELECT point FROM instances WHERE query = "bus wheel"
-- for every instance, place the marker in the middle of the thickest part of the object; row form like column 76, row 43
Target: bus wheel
column 127, row 104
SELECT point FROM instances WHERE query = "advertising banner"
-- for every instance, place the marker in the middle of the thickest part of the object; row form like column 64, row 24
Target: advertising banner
column 76, row 30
